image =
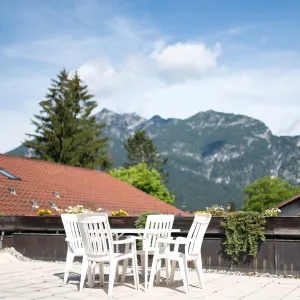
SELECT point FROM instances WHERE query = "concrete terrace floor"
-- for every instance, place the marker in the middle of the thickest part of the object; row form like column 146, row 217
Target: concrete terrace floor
column 40, row 280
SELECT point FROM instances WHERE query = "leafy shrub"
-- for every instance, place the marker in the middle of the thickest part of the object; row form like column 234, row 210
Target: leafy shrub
column 272, row 212
column 44, row 212
column 119, row 213
column 244, row 231
column 1, row 214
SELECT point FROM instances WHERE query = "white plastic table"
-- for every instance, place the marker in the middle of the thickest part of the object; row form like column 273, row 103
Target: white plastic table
column 118, row 232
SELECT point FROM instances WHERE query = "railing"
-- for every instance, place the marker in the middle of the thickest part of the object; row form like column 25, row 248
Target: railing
column 43, row 238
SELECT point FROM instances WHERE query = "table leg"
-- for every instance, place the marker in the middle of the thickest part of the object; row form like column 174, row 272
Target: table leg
column 117, row 267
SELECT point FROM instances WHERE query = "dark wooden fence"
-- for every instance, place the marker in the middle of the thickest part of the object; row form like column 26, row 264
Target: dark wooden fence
column 43, row 238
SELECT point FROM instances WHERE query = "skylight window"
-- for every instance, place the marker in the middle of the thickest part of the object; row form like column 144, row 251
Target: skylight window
column 34, row 204
column 52, row 204
column 12, row 191
column 9, row 175
column 56, row 194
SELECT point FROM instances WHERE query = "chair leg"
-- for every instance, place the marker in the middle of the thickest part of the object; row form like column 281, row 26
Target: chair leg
column 146, row 270
column 135, row 269
column 173, row 268
column 91, row 275
column 153, row 272
column 84, row 268
column 158, row 271
column 199, row 271
column 94, row 275
column 101, row 269
column 143, row 264
column 168, row 269
column 183, row 270
column 69, row 261
column 125, row 264
column 112, row 272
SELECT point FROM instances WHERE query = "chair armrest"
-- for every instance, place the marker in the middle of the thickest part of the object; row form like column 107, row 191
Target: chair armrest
column 125, row 241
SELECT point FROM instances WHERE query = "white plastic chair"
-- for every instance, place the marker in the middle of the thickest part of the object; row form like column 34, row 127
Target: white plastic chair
column 164, row 224
column 98, row 247
column 74, row 240
column 192, row 252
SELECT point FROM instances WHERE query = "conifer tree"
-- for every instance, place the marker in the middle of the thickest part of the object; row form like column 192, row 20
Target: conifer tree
column 65, row 131
column 141, row 149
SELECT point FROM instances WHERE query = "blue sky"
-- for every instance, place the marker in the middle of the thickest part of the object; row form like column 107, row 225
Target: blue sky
column 173, row 58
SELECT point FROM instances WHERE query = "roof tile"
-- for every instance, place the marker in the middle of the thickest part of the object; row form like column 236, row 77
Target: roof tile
column 91, row 188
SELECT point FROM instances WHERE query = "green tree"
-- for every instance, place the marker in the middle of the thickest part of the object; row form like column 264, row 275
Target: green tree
column 232, row 206
column 141, row 149
column 268, row 192
column 145, row 179
column 65, row 131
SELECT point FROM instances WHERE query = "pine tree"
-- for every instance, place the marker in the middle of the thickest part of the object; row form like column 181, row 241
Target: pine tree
column 65, row 131
column 141, row 149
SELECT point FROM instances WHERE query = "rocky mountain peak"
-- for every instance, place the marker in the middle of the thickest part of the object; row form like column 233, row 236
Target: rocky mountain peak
column 212, row 155
column 214, row 120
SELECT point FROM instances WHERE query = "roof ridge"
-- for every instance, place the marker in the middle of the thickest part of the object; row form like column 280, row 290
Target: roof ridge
column 287, row 201
column 48, row 162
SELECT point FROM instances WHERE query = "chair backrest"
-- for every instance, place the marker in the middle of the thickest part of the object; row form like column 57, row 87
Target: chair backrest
column 96, row 234
column 72, row 232
column 196, row 233
column 162, row 222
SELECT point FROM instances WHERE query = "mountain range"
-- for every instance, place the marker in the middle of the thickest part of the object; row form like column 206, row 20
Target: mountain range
column 212, row 155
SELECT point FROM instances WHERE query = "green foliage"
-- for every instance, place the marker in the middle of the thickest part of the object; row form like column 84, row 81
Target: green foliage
column 232, row 206
column 1, row 214
column 144, row 179
column 141, row 223
column 65, row 131
column 140, row 149
column 268, row 192
column 244, row 232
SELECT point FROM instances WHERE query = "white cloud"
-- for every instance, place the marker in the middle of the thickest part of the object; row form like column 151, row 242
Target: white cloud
column 102, row 77
column 186, row 59
column 131, row 68
column 270, row 95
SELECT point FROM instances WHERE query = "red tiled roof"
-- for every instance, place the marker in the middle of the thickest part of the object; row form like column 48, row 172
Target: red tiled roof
column 90, row 188
column 286, row 202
